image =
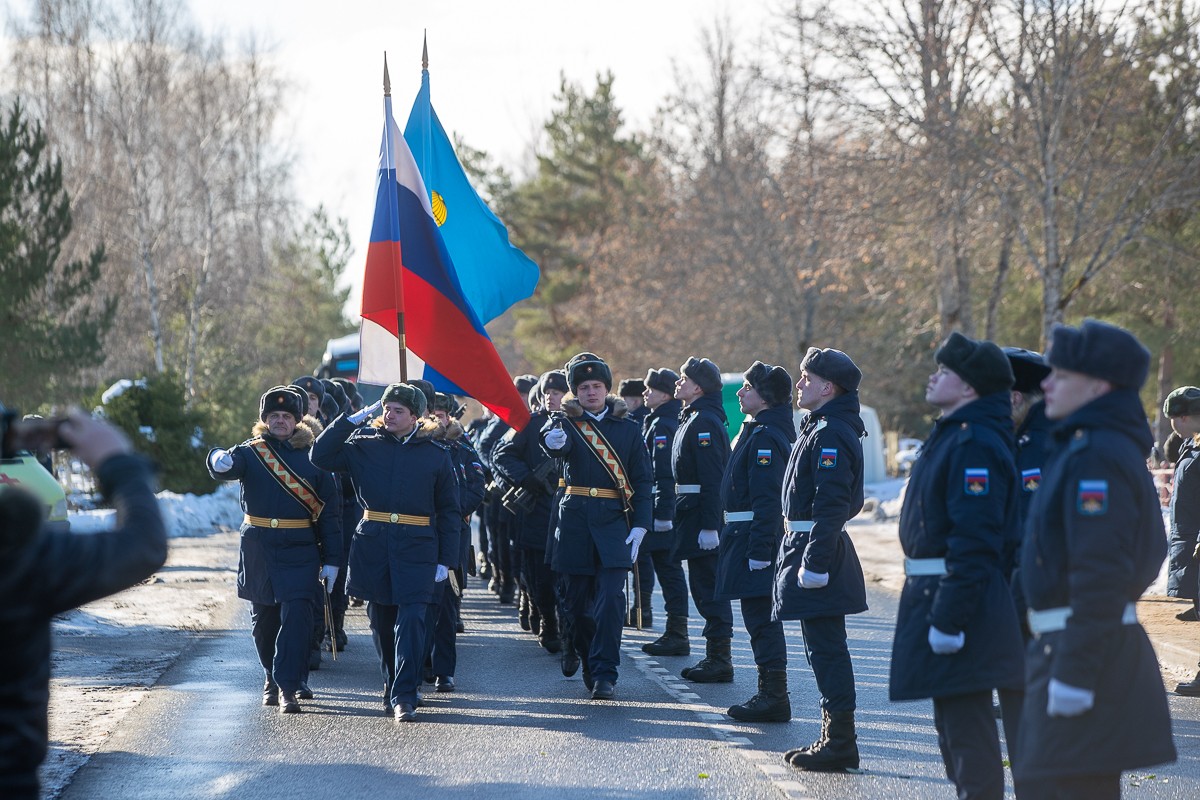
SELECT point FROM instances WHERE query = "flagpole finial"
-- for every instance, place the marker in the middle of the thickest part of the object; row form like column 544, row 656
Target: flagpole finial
column 425, row 50
column 387, row 82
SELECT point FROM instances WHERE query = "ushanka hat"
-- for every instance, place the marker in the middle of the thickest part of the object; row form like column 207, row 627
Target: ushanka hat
column 631, row 387
column 283, row 398
column 1183, row 402
column 406, row 395
column 449, row 404
column 703, row 373
column 832, row 365
column 662, row 380
column 338, row 394
column 773, row 384
column 587, row 367
column 310, row 384
column 426, row 389
column 524, row 383
column 1029, row 369
column 1102, row 351
column 982, row 364
column 554, row 379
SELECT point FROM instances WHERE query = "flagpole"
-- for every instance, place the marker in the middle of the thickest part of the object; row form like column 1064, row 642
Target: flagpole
column 393, row 214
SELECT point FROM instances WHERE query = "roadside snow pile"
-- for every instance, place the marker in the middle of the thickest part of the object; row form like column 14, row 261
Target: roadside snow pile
column 185, row 514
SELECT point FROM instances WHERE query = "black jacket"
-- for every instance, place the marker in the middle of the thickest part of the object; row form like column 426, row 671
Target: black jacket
column 516, row 458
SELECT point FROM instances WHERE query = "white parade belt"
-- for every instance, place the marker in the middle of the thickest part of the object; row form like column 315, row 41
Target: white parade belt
column 917, row 567
column 739, row 516
column 687, row 488
column 800, row 525
column 1049, row 620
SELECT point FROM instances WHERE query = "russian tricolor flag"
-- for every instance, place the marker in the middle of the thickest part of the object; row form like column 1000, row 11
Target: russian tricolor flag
column 410, row 277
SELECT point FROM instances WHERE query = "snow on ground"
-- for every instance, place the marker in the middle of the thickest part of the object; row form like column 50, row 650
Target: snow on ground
column 185, row 514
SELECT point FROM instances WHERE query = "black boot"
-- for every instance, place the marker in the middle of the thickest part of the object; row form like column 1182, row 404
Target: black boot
column 1189, row 689
column 523, row 611
column 270, row 693
column 548, row 635
column 535, row 619
column 569, row 660
column 631, row 620
column 771, row 704
column 835, row 751
column 715, row 667
column 673, row 642
column 508, row 590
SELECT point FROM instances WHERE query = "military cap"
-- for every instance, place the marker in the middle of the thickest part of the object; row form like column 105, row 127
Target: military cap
column 283, row 398
column 982, row 364
column 832, row 365
column 524, row 383
column 426, row 389
column 310, row 384
column 1102, row 351
column 704, row 373
column 1029, row 369
column 1183, row 402
column 554, row 379
column 662, row 380
column 587, row 367
column 631, row 387
column 406, row 395
column 773, row 384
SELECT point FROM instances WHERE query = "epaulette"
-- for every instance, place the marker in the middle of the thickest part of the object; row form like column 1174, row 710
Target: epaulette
column 1079, row 441
column 965, row 433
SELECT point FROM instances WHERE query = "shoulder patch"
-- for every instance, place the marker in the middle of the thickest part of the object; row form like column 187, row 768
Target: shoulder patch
column 1093, row 498
column 828, row 459
column 975, row 481
column 764, row 458
column 1031, row 479
column 704, row 438
column 660, row 442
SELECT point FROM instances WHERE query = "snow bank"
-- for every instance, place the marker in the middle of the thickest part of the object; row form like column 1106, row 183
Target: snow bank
column 185, row 514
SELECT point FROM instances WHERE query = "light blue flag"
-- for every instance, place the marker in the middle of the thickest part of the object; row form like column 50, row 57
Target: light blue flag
column 492, row 273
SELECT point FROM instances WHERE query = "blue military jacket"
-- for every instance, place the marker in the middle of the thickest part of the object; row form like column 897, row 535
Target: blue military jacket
column 592, row 531
column 961, row 506
column 516, row 457
column 752, row 481
column 471, row 485
column 392, row 563
column 658, row 430
column 699, row 454
column 823, row 484
column 1183, row 571
column 278, row 564
column 1094, row 543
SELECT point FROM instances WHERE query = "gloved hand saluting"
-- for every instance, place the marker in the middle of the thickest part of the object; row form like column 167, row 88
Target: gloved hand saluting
column 635, row 538
column 220, row 460
column 329, row 577
column 441, row 574
column 708, row 540
column 358, row 418
column 555, row 438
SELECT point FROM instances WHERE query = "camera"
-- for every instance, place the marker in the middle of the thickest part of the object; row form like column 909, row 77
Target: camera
column 29, row 435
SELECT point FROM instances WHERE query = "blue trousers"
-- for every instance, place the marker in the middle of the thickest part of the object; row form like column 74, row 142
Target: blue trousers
column 670, row 575
column 970, row 745
column 281, row 637
column 441, row 637
column 825, row 644
column 596, row 604
column 766, row 637
column 399, row 636
column 718, row 614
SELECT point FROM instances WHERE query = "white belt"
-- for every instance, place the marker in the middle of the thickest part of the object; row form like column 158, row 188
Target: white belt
column 687, row 488
column 924, row 566
column 1049, row 620
column 800, row 525
column 739, row 516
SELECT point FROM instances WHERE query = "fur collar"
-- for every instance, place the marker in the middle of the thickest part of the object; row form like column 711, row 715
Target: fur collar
column 426, row 428
column 302, row 438
column 616, row 406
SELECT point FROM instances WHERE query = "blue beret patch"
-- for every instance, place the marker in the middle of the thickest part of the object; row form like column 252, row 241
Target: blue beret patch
column 1093, row 498
column 1031, row 479
column 975, row 482
column 828, row 458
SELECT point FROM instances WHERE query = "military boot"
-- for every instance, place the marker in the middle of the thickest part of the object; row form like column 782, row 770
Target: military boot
column 1189, row 689
column 270, row 693
column 770, row 704
column 631, row 620
column 548, row 634
column 673, row 642
column 715, row 667
column 535, row 619
column 508, row 590
column 835, row 751
column 523, row 611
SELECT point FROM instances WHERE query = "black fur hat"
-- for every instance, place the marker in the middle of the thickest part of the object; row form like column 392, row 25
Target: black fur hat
column 773, row 384
column 449, row 404
column 631, row 387
column 427, row 389
column 1029, row 369
column 982, row 364
column 704, row 373
column 353, row 398
column 1183, row 402
column 834, row 366
column 1101, row 351
column 283, row 398
column 662, row 380
column 329, row 407
column 406, row 395
column 310, row 384
column 587, row 367
column 524, row 383
column 554, row 379
column 338, row 394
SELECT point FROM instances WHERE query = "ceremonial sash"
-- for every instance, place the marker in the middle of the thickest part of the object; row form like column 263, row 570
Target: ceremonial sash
column 603, row 451
column 292, row 483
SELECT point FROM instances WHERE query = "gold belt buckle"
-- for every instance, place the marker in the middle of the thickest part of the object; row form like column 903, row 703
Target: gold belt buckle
column 394, row 517
column 274, row 522
column 592, row 491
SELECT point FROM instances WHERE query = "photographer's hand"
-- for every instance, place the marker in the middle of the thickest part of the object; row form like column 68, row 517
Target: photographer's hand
column 93, row 441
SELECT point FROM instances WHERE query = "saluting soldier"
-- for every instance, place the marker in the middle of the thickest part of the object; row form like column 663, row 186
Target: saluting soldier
column 699, row 454
column 289, row 539
column 957, row 636
column 605, row 510
column 819, row 579
column 1094, row 698
column 409, row 533
column 750, row 495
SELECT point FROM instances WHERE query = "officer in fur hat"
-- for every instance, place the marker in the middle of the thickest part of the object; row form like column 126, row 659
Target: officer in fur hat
column 957, row 636
column 750, row 495
column 1182, row 408
column 603, row 516
column 409, row 533
column 289, row 538
column 1094, row 698
column 314, row 393
column 632, row 391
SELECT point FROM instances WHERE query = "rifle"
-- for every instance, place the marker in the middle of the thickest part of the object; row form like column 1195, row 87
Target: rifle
column 520, row 498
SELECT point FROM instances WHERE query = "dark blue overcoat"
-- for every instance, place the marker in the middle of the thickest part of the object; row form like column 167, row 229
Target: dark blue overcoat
column 699, row 454
column 658, row 429
column 1183, row 570
column 516, row 457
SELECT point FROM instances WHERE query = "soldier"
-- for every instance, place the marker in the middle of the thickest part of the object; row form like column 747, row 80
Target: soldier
column 750, row 494
column 1182, row 407
column 314, row 392
column 604, row 513
column 819, row 580
column 698, row 457
column 409, row 532
column 656, row 557
column 957, row 636
column 1094, row 698
column 288, row 538
column 632, row 391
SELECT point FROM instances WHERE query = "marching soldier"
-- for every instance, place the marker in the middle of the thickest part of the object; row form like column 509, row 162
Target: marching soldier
column 603, row 515
column 750, row 494
column 288, row 539
column 699, row 454
column 957, row 636
column 409, row 532
column 819, row 580
column 1094, row 698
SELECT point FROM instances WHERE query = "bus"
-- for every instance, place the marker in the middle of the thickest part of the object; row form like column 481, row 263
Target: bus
column 341, row 361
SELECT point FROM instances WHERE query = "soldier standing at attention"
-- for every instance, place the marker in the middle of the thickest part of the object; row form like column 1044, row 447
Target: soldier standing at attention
column 603, row 515
column 698, row 458
column 409, row 533
column 750, row 495
column 1094, row 698
column 957, row 636
column 632, row 391
column 287, row 534
column 819, row 579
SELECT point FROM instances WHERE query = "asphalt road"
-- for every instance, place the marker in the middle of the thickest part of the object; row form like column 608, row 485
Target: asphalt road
column 517, row 728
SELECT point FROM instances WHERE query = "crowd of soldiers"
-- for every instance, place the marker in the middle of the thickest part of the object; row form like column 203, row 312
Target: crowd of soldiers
column 1030, row 526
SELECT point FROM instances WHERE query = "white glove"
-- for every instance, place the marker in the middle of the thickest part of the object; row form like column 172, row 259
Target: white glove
column 329, row 576
column 1065, row 700
column 555, row 438
column 441, row 574
column 708, row 540
column 359, row 417
column 635, row 538
column 663, row 525
column 945, row 644
column 812, row 580
column 220, row 460
column 757, row 565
